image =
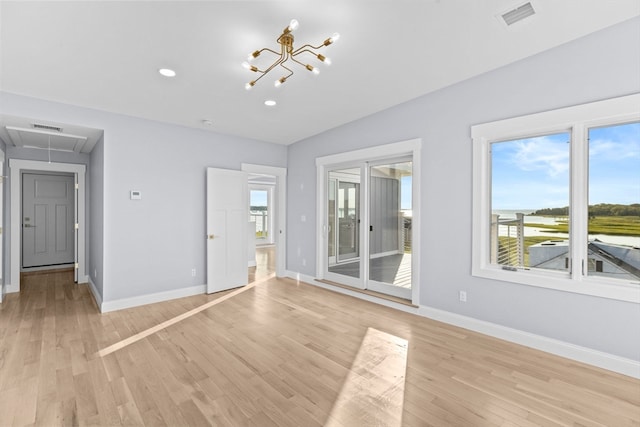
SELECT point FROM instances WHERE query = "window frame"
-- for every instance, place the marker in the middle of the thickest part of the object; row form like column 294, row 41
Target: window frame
column 577, row 120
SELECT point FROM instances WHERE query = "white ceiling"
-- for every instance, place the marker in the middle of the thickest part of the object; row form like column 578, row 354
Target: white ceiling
column 105, row 55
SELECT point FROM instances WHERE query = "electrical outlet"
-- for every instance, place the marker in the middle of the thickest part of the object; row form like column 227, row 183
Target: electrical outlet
column 193, row 272
column 462, row 296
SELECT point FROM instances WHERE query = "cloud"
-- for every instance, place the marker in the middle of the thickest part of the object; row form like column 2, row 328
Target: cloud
column 609, row 150
column 544, row 153
column 615, row 143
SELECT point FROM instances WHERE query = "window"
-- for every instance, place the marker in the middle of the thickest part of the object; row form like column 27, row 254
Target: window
column 557, row 199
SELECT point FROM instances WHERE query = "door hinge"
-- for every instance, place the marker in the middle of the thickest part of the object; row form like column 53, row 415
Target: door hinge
column 77, row 186
column 77, row 226
column 76, row 266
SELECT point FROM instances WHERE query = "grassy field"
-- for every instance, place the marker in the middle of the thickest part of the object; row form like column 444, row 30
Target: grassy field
column 611, row 225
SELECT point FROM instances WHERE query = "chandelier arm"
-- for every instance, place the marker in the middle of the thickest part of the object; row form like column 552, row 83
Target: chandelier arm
column 271, row 67
column 269, row 50
column 301, row 63
column 288, row 69
column 301, row 48
column 298, row 52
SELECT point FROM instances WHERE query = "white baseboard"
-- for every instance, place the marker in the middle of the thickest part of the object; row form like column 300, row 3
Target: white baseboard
column 123, row 303
column 9, row 288
column 95, row 293
column 586, row 355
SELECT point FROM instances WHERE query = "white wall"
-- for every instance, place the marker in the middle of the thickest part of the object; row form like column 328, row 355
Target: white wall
column 151, row 245
column 603, row 65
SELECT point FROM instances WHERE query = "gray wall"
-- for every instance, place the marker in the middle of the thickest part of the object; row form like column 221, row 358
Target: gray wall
column 602, row 65
column 149, row 245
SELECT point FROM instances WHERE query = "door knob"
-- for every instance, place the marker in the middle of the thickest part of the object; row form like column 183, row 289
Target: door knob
column 210, row 236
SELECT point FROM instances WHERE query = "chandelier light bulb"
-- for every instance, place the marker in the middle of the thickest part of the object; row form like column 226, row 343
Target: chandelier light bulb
column 249, row 85
column 280, row 81
column 293, row 25
column 249, row 66
column 253, row 55
column 313, row 69
column 324, row 59
column 334, row 38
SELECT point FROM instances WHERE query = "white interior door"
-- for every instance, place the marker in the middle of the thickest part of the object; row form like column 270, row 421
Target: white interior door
column 227, row 223
column 48, row 215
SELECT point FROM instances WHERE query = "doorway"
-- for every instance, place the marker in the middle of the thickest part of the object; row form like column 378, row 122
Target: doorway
column 48, row 217
column 261, row 210
column 17, row 167
column 368, row 204
column 270, row 183
column 385, row 265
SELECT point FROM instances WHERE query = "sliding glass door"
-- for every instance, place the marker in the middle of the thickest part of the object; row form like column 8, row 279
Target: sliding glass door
column 370, row 248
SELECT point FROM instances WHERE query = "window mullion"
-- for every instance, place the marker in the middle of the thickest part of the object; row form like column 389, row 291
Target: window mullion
column 579, row 215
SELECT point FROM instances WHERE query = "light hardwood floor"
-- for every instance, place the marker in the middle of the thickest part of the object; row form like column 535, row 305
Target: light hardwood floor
column 280, row 353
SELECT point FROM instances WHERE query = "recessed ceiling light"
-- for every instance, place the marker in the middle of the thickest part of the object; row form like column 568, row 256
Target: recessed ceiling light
column 167, row 72
column 269, row 102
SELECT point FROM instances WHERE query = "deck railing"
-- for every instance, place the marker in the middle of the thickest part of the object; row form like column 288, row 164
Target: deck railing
column 507, row 240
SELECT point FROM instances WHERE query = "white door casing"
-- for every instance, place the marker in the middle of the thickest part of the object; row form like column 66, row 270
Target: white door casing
column 17, row 166
column 48, row 215
column 227, row 225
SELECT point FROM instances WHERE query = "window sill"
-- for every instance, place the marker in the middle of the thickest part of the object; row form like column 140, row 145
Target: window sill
column 612, row 289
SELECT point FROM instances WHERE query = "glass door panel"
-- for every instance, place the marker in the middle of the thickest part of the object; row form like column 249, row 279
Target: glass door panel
column 343, row 216
column 390, row 217
column 348, row 217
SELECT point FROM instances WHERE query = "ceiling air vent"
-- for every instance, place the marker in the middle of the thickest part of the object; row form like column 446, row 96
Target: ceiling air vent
column 46, row 127
column 518, row 14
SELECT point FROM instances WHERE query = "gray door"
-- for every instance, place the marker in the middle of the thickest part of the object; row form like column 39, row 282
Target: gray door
column 48, row 203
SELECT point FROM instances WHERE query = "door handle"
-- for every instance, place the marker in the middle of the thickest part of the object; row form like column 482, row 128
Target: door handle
column 210, row 236
column 28, row 226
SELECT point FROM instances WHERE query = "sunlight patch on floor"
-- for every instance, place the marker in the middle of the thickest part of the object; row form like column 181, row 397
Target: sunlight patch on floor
column 373, row 392
column 141, row 335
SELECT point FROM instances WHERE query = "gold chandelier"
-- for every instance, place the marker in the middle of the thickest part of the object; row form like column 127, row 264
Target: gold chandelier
column 287, row 52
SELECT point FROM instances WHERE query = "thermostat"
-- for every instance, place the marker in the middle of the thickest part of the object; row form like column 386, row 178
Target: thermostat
column 136, row 195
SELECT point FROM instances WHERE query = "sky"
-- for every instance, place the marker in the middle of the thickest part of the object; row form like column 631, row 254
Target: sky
column 258, row 198
column 533, row 173
column 405, row 193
